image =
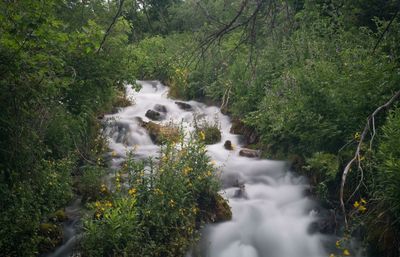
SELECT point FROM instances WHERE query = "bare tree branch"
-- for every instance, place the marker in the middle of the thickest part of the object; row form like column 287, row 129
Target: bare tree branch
column 357, row 155
column 119, row 11
column 386, row 29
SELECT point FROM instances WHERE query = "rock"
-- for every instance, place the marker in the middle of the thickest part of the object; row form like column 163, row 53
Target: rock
column 60, row 216
column 228, row 145
column 212, row 134
column 160, row 108
column 51, row 237
column 184, row 106
column 241, row 192
column 222, row 210
column 245, row 152
column 153, row 115
column 214, row 208
column 249, row 133
column 159, row 133
column 326, row 223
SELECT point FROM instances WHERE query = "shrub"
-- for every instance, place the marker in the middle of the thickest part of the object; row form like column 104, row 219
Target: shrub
column 159, row 208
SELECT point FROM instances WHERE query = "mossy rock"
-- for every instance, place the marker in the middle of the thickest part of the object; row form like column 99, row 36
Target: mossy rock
column 222, row 209
column 51, row 236
column 214, row 208
column 59, row 216
column 161, row 133
column 212, row 134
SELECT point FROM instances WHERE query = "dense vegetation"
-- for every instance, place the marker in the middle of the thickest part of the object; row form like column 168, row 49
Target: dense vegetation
column 305, row 75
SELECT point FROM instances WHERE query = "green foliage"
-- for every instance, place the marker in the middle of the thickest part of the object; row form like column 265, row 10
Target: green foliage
column 158, row 208
column 387, row 178
column 25, row 204
column 322, row 169
column 90, row 183
column 54, row 80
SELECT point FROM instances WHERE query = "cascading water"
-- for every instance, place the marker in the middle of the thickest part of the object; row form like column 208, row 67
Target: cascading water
column 271, row 214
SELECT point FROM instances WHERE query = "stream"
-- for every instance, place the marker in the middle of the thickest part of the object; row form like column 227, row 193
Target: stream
column 271, row 218
column 272, row 214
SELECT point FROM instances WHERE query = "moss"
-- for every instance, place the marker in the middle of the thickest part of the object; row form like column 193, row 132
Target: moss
column 51, row 235
column 212, row 134
column 160, row 133
column 59, row 216
column 214, row 208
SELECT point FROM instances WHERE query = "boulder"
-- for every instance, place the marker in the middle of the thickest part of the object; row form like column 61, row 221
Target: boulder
column 153, row 115
column 245, row 152
column 249, row 133
column 212, row 134
column 160, row 108
column 51, row 236
column 228, row 145
column 222, row 210
column 159, row 133
column 184, row 106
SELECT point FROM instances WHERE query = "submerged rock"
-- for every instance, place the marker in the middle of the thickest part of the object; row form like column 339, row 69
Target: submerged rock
column 160, row 108
column 228, row 145
column 184, row 106
column 245, row 152
column 153, row 115
column 241, row 192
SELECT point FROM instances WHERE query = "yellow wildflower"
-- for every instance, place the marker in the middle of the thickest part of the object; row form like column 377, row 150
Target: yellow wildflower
column 346, row 252
column 337, row 244
column 171, row 203
column 113, row 153
column 132, row 191
column 103, row 188
column 187, row 170
column 357, row 136
column 202, row 135
column 362, row 208
column 331, row 255
column 209, row 173
column 356, row 204
column 363, row 201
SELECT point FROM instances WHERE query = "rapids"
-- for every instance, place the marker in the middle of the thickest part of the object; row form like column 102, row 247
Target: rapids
column 272, row 216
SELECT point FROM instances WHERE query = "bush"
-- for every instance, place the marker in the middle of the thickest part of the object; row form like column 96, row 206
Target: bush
column 159, row 208
column 322, row 169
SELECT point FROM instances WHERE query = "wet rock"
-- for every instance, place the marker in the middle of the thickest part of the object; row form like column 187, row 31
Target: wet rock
column 222, row 210
column 59, row 216
column 160, row 108
column 51, row 236
column 184, row 106
column 140, row 121
column 241, row 192
column 245, row 152
column 249, row 133
column 212, row 134
column 159, row 133
column 153, row 115
column 228, row 145
column 326, row 224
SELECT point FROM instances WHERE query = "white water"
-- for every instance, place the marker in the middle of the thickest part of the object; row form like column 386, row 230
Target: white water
column 272, row 217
